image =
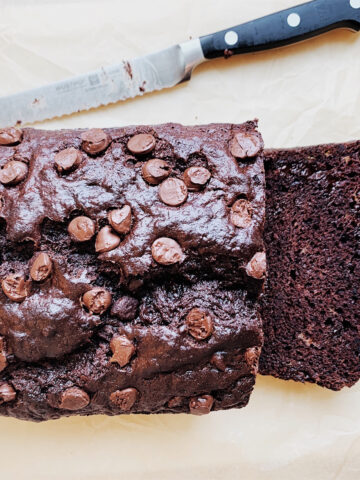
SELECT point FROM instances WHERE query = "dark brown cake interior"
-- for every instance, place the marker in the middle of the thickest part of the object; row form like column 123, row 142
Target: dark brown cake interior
column 311, row 306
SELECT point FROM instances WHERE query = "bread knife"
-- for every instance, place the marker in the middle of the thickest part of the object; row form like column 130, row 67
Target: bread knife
column 174, row 65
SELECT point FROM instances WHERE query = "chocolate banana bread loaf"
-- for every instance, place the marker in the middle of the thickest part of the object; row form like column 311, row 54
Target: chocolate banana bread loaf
column 131, row 261
column 311, row 308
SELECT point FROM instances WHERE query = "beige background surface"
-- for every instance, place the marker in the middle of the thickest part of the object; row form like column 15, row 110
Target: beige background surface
column 302, row 95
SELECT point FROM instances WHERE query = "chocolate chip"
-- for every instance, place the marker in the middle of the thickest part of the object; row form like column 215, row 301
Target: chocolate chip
column 3, row 361
column 196, row 178
column 173, row 192
column 97, row 300
column 241, row 213
column 201, row 405
column 81, row 229
column 175, row 402
column 256, row 268
column 124, row 399
column 41, row 268
column 252, row 357
column 7, row 393
column 15, row 287
column 106, row 240
column 199, row 324
column 135, row 284
column 141, row 144
column 10, row 136
column 155, row 171
column 218, row 361
column 67, row 160
column 74, row 398
column 246, row 145
column 166, row 251
column 95, row 141
column 123, row 349
column 13, row 172
column 120, row 219
column 125, row 308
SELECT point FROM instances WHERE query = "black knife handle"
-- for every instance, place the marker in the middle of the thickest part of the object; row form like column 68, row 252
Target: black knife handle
column 283, row 28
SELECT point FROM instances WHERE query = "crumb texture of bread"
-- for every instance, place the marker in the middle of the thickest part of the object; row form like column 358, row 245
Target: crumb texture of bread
column 311, row 308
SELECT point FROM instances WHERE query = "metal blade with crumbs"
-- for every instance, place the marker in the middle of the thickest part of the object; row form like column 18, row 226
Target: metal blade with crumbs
column 107, row 85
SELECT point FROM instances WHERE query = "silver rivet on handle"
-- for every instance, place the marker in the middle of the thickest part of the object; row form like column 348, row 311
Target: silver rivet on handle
column 231, row 37
column 294, row 20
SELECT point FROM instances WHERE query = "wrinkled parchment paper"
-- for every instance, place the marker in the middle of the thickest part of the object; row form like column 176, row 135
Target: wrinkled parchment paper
column 303, row 94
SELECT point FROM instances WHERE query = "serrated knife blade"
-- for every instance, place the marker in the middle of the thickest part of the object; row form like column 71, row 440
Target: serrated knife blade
column 163, row 69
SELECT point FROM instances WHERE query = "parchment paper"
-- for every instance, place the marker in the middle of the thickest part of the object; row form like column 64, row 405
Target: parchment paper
column 303, row 94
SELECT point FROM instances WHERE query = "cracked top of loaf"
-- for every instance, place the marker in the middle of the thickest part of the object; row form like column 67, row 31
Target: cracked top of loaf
column 93, row 223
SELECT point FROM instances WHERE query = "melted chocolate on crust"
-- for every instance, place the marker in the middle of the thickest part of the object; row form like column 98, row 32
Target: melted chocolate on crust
column 116, row 278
